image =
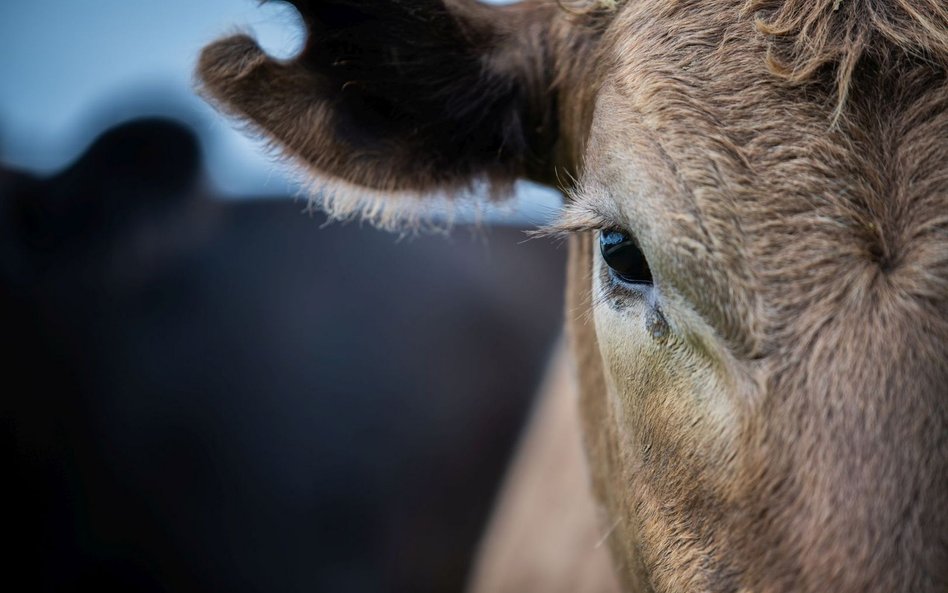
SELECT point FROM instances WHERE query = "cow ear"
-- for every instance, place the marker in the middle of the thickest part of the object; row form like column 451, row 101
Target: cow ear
column 394, row 99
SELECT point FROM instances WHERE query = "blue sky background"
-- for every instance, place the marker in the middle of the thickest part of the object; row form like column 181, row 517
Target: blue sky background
column 70, row 69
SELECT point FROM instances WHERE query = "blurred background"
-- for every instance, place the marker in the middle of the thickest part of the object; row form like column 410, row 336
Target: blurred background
column 203, row 387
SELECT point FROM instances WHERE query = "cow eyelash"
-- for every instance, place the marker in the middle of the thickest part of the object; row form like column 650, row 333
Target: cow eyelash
column 576, row 218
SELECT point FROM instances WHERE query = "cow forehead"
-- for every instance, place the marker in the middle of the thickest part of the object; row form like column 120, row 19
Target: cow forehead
column 753, row 186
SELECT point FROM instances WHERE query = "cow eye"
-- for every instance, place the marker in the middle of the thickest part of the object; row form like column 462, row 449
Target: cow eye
column 623, row 256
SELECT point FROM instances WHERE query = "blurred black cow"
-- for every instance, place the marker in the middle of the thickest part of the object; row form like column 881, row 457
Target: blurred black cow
column 202, row 395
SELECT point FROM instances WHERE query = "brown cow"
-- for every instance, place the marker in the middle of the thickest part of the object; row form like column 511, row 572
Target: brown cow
column 758, row 205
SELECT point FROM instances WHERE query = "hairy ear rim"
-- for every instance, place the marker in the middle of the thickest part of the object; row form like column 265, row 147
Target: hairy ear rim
column 402, row 212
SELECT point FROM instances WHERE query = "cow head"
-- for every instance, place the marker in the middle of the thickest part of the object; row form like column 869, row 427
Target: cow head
column 759, row 271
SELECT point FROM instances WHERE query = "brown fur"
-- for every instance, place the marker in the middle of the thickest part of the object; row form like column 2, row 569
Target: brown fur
column 412, row 99
column 808, row 35
column 774, row 417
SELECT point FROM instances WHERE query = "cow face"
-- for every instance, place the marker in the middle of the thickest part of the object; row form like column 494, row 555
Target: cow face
column 758, row 280
column 766, row 402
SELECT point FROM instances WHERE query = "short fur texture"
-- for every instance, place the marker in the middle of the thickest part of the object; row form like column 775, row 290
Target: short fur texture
column 772, row 415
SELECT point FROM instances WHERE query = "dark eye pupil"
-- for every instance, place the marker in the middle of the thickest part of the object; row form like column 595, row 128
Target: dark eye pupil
column 624, row 257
